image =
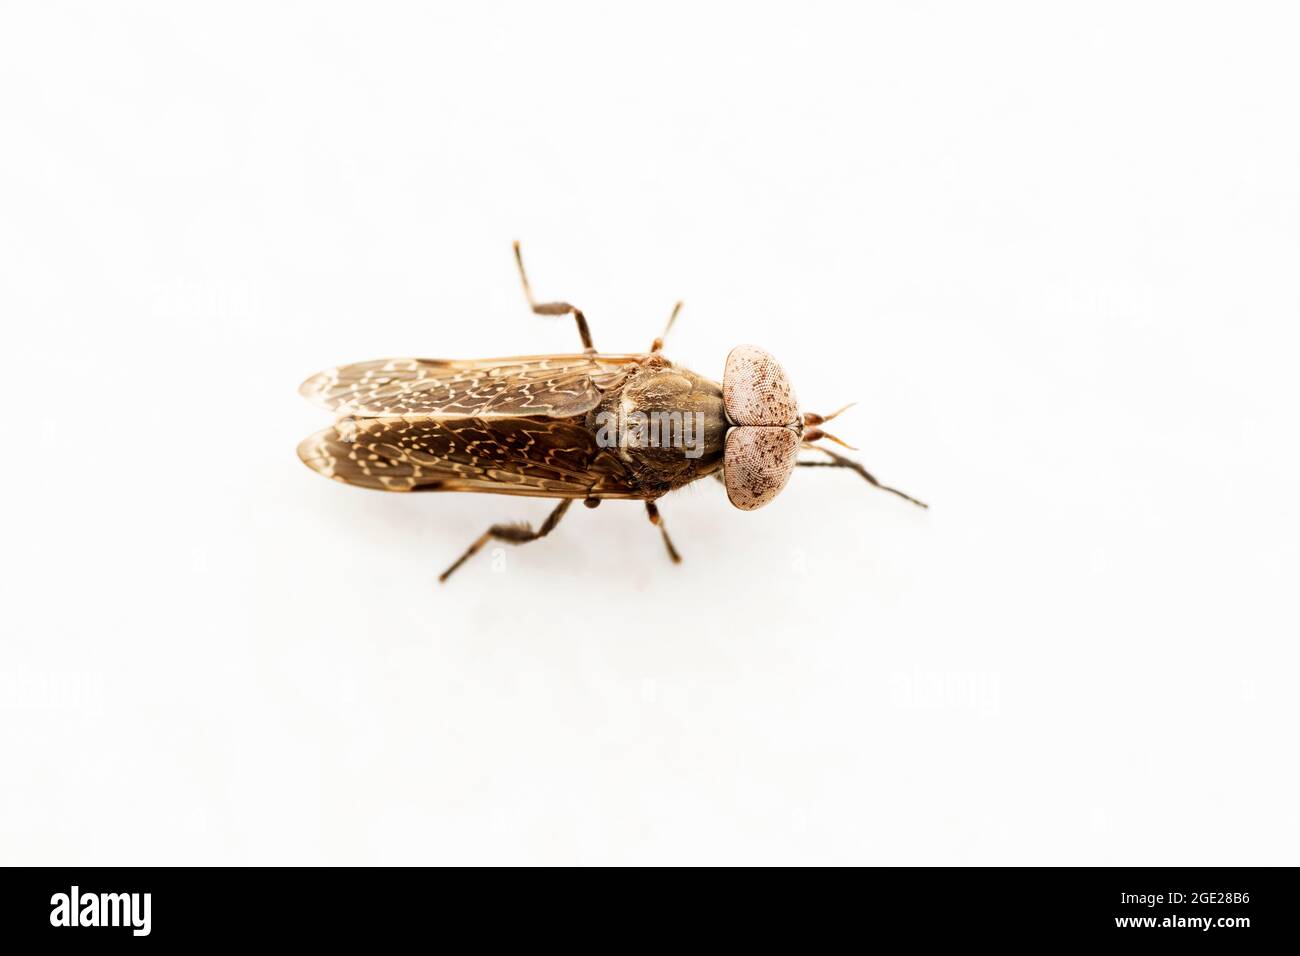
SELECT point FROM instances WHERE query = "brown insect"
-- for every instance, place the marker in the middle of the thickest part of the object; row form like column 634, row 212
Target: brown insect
column 587, row 426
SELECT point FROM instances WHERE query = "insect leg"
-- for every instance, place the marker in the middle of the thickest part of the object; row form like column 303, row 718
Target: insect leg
column 652, row 512
column 839, row 461
column 513, row 533
column 658, row 344
column 553, row 308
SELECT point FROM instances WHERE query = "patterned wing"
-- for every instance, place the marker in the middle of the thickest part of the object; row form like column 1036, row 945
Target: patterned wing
column 553, row 385
column 544, row 458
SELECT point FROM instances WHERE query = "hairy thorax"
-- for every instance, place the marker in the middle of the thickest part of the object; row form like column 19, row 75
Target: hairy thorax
column 668, row 424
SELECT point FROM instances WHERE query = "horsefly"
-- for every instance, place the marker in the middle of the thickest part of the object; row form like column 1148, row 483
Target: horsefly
column 585, row 426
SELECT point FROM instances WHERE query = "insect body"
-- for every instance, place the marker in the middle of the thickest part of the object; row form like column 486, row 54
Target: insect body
column 586, row 426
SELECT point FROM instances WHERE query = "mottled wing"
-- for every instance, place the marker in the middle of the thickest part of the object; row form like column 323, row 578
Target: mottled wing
column 554, row 385
column 544, row 458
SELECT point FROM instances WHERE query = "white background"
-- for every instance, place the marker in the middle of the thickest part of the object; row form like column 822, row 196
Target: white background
column 1050, row 250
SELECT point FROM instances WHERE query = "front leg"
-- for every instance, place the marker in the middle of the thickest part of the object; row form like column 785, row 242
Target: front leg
column 839, row 461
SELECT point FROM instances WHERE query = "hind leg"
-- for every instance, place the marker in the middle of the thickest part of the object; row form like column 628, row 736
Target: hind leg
column 519, row 533
column 553, row 308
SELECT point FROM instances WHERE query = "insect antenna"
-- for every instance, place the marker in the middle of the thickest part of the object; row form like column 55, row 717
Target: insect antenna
column 812, row 418
column 816, row 434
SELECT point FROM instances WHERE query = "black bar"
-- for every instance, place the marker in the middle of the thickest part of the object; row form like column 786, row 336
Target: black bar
column 1231, row 907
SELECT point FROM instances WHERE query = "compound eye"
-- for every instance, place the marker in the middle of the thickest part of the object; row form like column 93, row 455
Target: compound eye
column 757, row 463
column 755, row 390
